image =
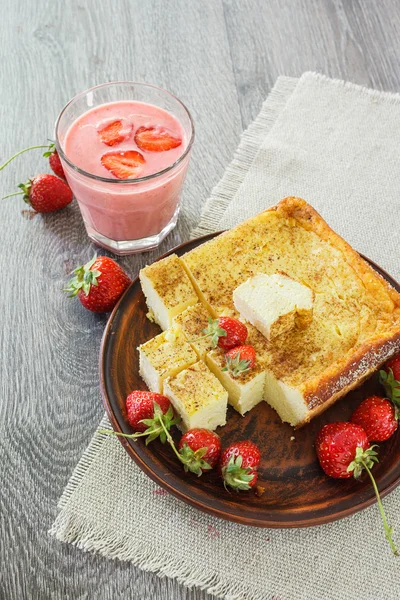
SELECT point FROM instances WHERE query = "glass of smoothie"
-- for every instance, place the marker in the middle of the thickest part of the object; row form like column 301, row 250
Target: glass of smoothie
column 125, row 149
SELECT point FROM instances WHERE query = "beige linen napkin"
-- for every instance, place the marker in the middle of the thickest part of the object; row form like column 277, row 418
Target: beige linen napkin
column 337, row 145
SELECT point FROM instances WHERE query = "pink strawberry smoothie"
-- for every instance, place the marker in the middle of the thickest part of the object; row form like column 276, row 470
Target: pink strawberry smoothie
column 126, row 210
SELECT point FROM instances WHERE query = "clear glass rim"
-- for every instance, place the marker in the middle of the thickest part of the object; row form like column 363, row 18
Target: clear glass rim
column 123, row 181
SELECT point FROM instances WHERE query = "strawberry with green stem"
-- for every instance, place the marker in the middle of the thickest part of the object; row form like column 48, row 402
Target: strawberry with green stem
column 199, row 449
column 99, row 284
column 194, row 458
column 225, row 332
column 240, row 360
column 45, row 193
column 343, row 451
column 238, row 465
column 156, row 426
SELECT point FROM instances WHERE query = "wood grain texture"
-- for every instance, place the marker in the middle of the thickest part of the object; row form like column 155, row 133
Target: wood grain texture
column 220, row 57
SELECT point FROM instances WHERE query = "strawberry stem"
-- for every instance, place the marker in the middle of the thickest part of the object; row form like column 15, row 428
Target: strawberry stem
column 212, row 331
column 18, row 153
column 13, row 194
column 388, row 529
column 171, row 441
column 131, row 436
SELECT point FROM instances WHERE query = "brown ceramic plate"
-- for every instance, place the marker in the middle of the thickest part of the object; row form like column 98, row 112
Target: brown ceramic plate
column 297, row 493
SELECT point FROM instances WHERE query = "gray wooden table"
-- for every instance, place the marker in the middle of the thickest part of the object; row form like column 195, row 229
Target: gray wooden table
column 221, row 57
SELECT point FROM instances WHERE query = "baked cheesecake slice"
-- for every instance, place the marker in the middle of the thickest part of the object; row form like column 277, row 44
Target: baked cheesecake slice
column 198, row 397
column 164, row 356
column 244, row 391
column 191, row 323
column 167, row 289
column 274, row 303
column 247, row 389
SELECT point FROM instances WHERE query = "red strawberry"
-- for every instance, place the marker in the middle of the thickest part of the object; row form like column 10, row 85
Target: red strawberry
column 226, row 332
column 377, row 416
column 240, row 360
column 156, row 139
column 127, row 164
column 55, row 164
column 54, row 160
column 394, row 364
column 114, row 132
column 150, row 414
column 238, row 465
column 343, row 451
column 336, row 446
column 200, row 450
column 140, row 405
column 99, row 284
column 390, row 379
column 45, row 193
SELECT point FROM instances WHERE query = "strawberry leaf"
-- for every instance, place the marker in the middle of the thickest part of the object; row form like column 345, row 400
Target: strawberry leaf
column 84, row 278
column 236, row 366
column 193, row 461
column 213, row 331
column 391, row 385
column 235, row 475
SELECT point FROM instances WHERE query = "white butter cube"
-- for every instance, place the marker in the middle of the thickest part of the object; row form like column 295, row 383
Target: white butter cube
column 274, row 304
column 198, row 397
column 167, row 289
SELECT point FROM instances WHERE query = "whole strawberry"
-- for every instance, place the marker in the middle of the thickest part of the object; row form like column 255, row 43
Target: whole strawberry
column 378, row 417
column 238, row 465
column 45, row 193
column 200, row 450
column 390, row 379
column 240, row 360
column 99, row 284
column 140, row 405
column 343, row 451
column 54, row 161
column 225, row 332
column 336, row 446
column 150, row 414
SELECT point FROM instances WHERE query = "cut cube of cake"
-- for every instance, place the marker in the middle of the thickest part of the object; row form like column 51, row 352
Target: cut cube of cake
column 164, row 356
column 168, row 290
column 198, row 397
column 244, row 391
column 191, row 323
column 274, row 303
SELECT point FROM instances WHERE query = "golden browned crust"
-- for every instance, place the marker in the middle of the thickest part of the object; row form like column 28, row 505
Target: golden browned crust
column 360, row 363
column 336, row 383
column 310, row 219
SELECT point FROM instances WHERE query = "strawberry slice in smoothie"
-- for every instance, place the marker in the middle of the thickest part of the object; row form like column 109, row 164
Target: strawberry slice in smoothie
column 156, row 139
column 114, row 132
column 124, row 165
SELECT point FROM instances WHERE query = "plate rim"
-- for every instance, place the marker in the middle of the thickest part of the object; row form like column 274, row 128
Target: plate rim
column 177, row 493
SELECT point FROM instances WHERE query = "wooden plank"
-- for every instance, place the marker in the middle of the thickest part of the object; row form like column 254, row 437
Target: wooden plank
column 358, row 41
